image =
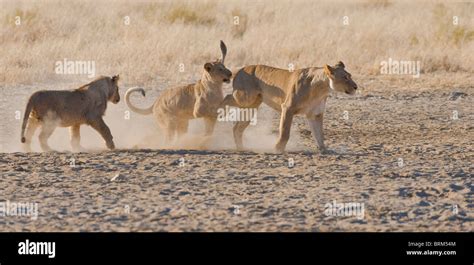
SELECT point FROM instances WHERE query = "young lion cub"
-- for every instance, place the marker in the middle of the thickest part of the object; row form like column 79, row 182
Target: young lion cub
column 70, row 108
column 175, row 107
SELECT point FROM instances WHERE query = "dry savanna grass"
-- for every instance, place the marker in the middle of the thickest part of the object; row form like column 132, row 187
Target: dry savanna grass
column 149, row 42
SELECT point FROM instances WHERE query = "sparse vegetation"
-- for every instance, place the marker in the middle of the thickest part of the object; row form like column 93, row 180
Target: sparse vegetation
column 449, row 32
column 187, row 15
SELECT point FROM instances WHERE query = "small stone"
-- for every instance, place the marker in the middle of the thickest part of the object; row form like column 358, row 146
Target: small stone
column 455, row 187
column 424, row 203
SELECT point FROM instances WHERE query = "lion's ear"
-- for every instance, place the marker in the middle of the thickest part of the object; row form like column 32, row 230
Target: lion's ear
column 340, row 65
column 328, row 70
column 115, row 78
column 208, row 67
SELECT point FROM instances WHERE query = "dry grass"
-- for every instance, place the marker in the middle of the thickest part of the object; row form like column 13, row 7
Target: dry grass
column 162, row 35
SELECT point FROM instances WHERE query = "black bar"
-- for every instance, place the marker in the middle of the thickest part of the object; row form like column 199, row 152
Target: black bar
column 295, row 248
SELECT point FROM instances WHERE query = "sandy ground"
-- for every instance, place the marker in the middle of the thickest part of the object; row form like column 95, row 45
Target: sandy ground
column 402, row 147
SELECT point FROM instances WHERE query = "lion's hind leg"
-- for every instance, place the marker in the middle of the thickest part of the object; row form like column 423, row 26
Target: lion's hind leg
column 47, row 130
column 75, row 132
column 240, row 126
column 238, row 131
column 167, row 128
column 286, row 119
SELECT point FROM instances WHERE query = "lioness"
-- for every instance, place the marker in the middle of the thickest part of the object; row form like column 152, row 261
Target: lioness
column 302, row 91
column 85, row 105
column 175, row 107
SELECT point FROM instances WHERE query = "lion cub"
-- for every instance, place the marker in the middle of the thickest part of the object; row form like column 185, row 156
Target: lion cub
column 175, row 107
column 70, row 108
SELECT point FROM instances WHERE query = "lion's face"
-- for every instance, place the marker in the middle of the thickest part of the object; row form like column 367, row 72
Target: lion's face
column 115, row 97
column 218, row 71
column 339, row 79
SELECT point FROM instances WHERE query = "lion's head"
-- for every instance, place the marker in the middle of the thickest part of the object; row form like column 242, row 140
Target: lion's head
column 217, row 69
column 339, row 79
column 114, row 95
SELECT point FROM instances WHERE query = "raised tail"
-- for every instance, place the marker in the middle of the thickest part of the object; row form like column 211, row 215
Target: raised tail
column 28, row 109
column 146, row 111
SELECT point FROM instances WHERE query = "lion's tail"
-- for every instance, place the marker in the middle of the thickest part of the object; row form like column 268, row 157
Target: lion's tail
column 28, row 109
column 133, row 108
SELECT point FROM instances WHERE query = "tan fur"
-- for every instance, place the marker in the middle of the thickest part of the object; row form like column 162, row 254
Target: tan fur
column 175, row 107
column 70, row 108
column 302, row 91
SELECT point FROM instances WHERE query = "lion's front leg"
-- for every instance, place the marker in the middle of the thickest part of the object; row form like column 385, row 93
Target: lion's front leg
column 315, row 123
column 100, row 126
column 210, row 123
column 229, row 100
column 199, row 108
